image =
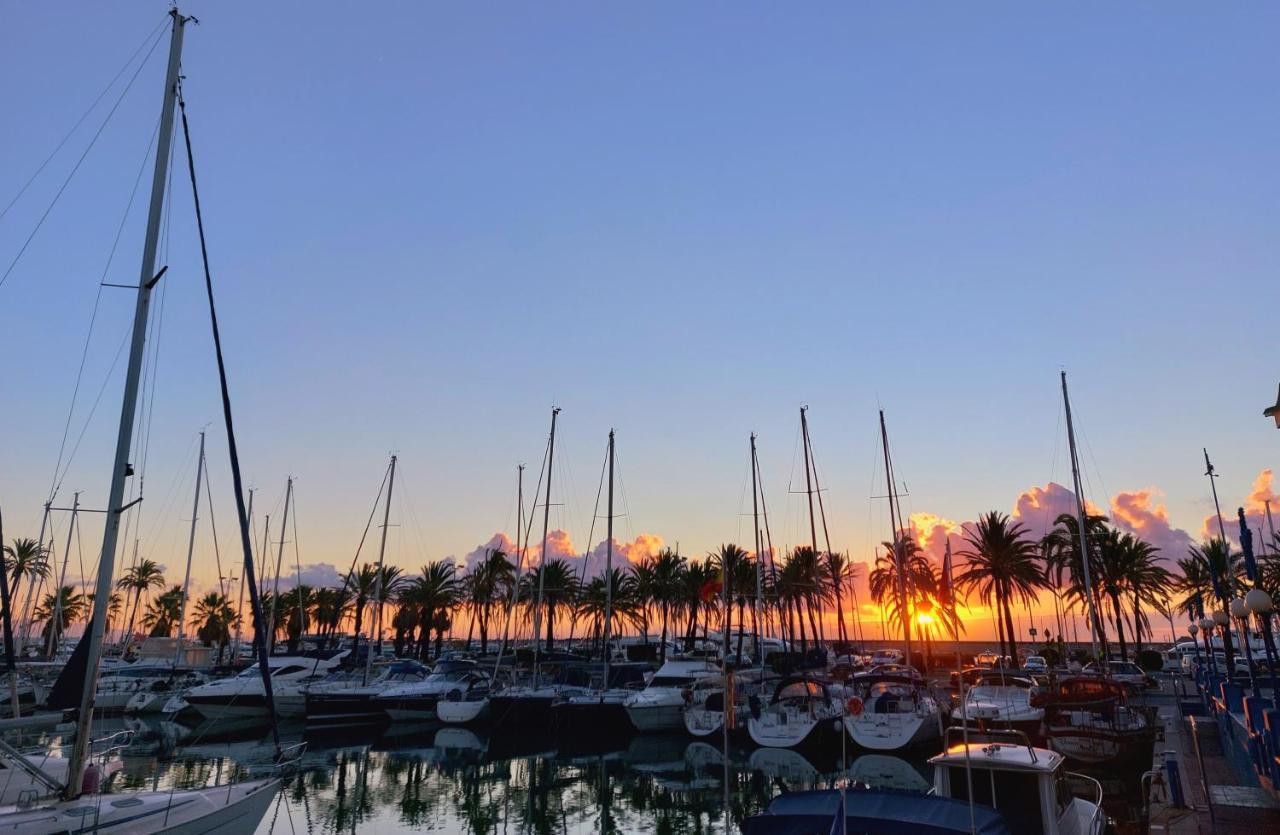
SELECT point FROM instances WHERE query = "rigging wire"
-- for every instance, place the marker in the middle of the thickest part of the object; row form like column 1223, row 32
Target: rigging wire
column 40, row 223
column 154, row 33
column 56, row 482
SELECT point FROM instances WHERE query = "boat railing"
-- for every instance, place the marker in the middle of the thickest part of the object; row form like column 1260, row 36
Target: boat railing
column 1091, row 791
column 1009, row 736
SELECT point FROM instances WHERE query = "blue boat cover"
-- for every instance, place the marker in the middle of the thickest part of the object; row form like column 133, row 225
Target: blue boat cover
column 875, row 812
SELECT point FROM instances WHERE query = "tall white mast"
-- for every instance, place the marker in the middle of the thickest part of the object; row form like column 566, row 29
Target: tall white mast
column 515, row 585
column 191, row 546
column 542, row 557
column 376, row 627
column 1080, row 523
column 55, row 629
column 121, row 469
column 608, row 567
column 275, row 592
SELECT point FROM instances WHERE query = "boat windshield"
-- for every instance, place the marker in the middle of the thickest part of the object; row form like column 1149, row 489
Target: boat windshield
column 671, row 681
column 800, row 690
column 1015, row 794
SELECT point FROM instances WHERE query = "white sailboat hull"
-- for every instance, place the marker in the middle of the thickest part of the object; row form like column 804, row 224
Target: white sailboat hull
column 223, row 810
column 894, row 731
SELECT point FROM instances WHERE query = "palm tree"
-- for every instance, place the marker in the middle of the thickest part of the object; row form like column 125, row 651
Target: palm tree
column 1223, row 569
column 433, row 593
column 1147, row 582
column 559, row 591
column 1002, row 566
column 299, row 601
column 642, row 578
column 364, row 581
column 1062, row 551
column 488, row 584
column 331, row 605
column 68, row 606
column 838, row 569
column 214, row 618
column 594, row 601
column 695, row 576
column 729, row 560
column 918, row 578
column 140, row 579
column 163, row 613
column 668, row 570
column 25, row 558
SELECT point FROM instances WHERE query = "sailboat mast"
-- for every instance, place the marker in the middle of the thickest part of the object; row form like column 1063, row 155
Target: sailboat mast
column 33, row 588
column 376, row 627
column 542, row 557
column 275, row 592
column 608, row 567
column 755, row 526
column 813, row 528
column 191, row 545
column 55, row 629
column 899, row 560
column 121, row 469
column 515, row 584
column 1080, row 524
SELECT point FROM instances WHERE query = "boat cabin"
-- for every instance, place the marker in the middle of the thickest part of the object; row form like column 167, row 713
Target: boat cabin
column 1029, row 787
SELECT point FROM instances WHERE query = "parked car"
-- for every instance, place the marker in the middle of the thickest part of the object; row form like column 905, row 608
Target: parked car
column 1127, row 673
column 1035, row 664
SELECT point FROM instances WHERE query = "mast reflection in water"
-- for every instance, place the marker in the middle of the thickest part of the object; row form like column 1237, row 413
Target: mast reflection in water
column 446, row 779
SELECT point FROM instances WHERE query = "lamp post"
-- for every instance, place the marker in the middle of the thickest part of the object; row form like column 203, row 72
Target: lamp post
column 1206, row 629
column 1240, row 612
column 1259, row 603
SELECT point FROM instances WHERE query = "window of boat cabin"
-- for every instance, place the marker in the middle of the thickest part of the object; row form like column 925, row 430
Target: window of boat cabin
column 289, row 670
column 800, row 689
column 1015, row 794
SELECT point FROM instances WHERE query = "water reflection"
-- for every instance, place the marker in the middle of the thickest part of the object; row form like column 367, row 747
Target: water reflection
column 412, row 777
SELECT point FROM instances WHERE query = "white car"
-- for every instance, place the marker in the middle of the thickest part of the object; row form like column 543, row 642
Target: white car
column 1126, row 672
column 1036, row 664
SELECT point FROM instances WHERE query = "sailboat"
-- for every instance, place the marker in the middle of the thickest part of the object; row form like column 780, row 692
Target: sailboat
column 892, row 707
column 219, row 810
column 602, row 709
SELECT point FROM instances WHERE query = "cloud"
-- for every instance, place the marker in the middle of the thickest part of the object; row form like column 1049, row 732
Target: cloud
column 932, row 533
column 499, row 541
column 1255, row 511
column 560, row 547
column 315, row 575
column 1140, row 513
column 624, row 553
column 1039, row 507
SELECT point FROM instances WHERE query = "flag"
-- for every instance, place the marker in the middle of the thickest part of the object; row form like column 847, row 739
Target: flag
column 711, row 588
column 946, row 594
column 838, row 822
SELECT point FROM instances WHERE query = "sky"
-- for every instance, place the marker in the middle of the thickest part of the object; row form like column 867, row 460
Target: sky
column 430, row 224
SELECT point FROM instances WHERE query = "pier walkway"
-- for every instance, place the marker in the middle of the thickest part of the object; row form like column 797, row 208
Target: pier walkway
column 1224, row 794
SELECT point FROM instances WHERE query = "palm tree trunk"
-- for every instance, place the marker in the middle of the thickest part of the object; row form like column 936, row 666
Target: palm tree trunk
column 551, row 619
column 1008, row 625
column 999, row 618
column 662, row 649
column 355, row 646
column 1137, row 626
column 1119, row 619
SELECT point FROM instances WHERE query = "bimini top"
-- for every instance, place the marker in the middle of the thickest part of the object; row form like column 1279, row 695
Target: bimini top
column 801, row 686
column 891, row 672
column 1004, row 756
column 876, row 812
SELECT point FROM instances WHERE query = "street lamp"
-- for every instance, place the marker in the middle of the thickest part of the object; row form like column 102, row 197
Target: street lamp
column 1206, row 629
column 1258, row 602
column 1240, row 611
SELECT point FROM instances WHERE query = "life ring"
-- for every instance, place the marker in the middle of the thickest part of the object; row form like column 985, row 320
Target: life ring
column 854, row 706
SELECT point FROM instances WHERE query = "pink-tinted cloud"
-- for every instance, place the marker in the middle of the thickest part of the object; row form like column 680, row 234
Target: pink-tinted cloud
column 1140, row 513
column 1255, row 513
column 499, row 541
column 933, row 532
column 624, row 553
column 1039, row 507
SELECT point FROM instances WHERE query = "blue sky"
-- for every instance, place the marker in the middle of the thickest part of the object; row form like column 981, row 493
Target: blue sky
column 428, row 224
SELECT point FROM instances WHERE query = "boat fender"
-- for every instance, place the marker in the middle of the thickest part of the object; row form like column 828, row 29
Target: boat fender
column 687, row 695
column 454, row 695
column 92, row 783
column 854, row 706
